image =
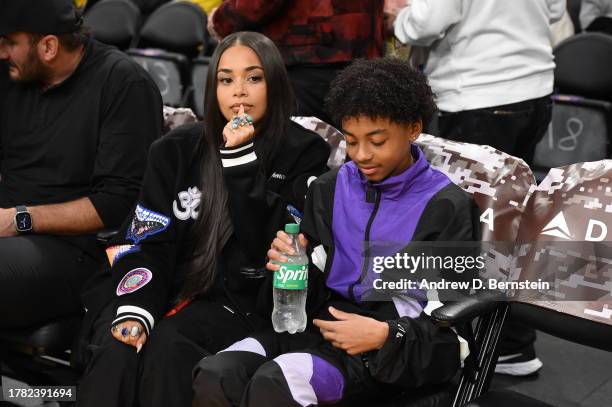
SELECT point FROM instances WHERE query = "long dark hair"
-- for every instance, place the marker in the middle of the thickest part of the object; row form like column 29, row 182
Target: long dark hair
column 213, row 227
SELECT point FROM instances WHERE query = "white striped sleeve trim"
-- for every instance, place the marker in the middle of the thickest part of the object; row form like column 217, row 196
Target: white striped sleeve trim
column 232, row 150
column 127, row 312
column 234, row 156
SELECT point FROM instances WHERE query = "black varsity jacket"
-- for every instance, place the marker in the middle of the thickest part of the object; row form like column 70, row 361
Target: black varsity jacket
column 157, row 240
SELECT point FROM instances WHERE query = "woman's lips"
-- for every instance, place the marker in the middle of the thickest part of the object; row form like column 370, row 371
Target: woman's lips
column 236, row 108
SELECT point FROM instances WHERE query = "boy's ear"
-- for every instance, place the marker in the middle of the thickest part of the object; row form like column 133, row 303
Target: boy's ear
column 416, row 129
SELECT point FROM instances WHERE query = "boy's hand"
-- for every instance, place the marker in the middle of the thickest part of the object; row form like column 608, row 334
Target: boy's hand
column 282, row 244
column 352, row 332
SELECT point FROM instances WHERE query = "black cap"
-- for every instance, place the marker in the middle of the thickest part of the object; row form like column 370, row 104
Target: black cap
column 39, row 16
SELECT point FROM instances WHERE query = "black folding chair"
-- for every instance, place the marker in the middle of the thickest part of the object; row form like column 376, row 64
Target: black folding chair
column 148, row 6
column 199, row 72
column 581, row 123
column 114, row 22
column 173, row 35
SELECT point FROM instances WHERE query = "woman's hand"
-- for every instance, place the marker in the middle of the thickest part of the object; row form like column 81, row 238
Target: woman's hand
column 282, row 244
column 352, row 332
column 239, row 130
column 131, row 333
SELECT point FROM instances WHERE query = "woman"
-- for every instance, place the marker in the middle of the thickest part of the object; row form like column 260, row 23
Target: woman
column 213, row 195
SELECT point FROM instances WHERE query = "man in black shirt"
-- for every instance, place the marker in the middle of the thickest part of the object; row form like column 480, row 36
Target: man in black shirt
column 76, row 121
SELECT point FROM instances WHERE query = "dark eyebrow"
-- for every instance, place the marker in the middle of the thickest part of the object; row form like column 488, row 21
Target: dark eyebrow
column 249, row 68
column 371, row 133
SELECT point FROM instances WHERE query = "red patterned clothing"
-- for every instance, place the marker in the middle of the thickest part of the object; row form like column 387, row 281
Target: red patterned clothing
column 309, row 31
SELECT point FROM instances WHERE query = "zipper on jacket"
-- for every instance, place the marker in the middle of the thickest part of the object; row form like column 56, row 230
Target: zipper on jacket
column 364, row 268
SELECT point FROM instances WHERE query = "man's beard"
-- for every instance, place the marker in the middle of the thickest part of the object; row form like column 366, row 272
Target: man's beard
column 32, row 70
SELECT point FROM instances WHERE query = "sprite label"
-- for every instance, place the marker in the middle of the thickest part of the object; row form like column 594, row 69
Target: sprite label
column 291, row 277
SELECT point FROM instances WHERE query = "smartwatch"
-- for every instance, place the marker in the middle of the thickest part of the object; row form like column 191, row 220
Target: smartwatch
column 23, row 219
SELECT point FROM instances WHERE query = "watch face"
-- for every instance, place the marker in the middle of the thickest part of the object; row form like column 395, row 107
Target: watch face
column 23, row 220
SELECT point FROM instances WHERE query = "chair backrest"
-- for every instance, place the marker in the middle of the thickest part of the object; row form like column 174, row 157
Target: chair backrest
column 199, row 72
column 602, row 24
column 148, row 6
column 579, row 132
column 178, row 27
column 565, row 240
column 114, row 22
column 499, row 182
column 583, row 66
column 166, row 70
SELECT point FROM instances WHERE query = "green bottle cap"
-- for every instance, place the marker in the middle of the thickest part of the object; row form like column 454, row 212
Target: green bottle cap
column 292, row 228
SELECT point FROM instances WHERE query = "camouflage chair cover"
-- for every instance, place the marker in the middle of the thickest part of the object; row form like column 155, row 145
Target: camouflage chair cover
column 564, row 239
column 177, row 116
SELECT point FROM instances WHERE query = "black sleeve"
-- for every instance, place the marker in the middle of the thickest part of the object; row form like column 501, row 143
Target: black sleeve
column 417, row 352
column 131, row 119
column 150, row 248
column 258, row 212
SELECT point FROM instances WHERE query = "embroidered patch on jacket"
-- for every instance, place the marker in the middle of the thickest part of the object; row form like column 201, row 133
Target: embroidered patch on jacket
column 114, row 253
column 134, row 280
column 189, row 202
column 146, row 223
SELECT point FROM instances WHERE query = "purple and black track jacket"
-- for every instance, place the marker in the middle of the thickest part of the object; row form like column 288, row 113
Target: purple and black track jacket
column 342, row 211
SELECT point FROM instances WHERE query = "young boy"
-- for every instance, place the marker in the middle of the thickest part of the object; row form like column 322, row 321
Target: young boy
column 388, row 192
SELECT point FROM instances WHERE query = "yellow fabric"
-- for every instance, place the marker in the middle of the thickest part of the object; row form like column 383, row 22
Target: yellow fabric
column 80, row 3
column 207, row 5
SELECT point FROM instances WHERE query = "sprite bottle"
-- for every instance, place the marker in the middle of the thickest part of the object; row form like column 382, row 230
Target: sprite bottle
column 290, row 285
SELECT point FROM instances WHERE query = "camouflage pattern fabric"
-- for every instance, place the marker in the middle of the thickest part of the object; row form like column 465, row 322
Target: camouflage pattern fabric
column 564, row 238
column 330, row 134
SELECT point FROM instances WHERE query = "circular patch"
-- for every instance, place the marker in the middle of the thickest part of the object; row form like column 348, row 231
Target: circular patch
column 134, row 280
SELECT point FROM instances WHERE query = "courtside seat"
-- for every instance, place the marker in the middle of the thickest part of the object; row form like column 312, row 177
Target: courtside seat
column 570, row 246
column 581, row 125
column 171, row 37
column 199, row 72
column 114, row 22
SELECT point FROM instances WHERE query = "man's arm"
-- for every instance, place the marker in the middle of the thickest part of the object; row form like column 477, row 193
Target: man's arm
column 68, row 218
column 424, row 21
column 557, row 9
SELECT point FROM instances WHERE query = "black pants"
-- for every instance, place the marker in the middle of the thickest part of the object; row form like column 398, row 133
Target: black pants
column 160, row 375
column 514, row 129
column 40, row 279
column 310, row 85
column 270, row 369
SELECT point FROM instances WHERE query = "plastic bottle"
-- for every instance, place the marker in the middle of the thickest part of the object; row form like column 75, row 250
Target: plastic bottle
column 290, row 286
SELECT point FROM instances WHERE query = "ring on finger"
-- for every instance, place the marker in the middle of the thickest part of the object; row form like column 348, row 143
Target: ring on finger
column 135, row 331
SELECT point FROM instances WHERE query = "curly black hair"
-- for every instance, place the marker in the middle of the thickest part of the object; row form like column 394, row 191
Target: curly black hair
column 387, row 88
